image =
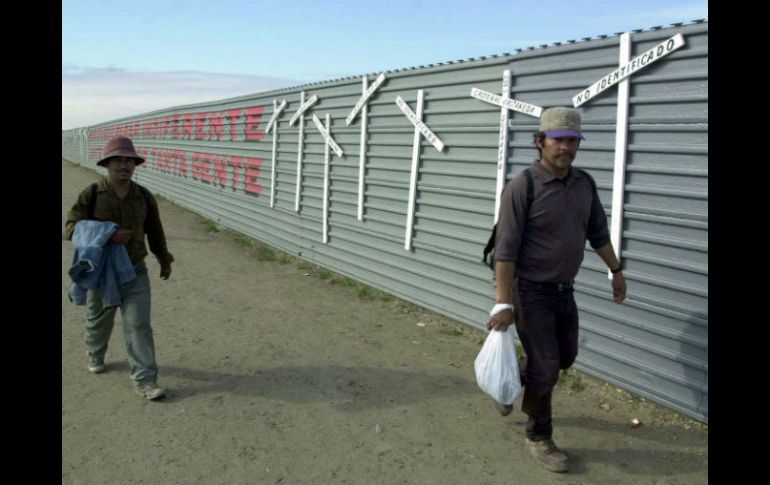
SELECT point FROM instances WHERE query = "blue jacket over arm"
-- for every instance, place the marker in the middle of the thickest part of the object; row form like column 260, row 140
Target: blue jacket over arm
column 98, row 265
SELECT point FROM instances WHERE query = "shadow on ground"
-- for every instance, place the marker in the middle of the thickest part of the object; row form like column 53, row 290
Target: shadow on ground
column 346, row 388
column 648, row 452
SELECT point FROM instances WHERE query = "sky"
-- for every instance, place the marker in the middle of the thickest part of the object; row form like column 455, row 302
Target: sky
column 123, row 58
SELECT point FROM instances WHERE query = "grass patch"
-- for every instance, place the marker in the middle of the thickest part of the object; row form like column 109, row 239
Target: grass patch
column 160, row 198
column 241, row 240
column 454, row 331
column 348, row 283
column 572, row 381
column 324, row 274
column 366, row 293
column 520, row 351
column 258, row 249
column 304, row 265
column 210, row 226
column 409, row 308
column 265, row 253
column 343, row 281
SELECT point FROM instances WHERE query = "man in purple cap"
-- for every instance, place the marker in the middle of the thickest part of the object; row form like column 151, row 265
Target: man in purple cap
column 115, row 198
column 547, row 213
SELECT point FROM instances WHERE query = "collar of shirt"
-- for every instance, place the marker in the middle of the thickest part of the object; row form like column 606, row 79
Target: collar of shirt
column 103, row 185
column 548, row 177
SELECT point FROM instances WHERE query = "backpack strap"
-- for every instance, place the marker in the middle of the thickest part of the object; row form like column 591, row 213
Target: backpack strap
column 488, row 248
column 493, row 237
column 91, row 202
column 145, row 194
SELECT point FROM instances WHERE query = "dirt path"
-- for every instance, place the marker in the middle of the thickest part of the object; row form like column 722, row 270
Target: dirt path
column 280, row 373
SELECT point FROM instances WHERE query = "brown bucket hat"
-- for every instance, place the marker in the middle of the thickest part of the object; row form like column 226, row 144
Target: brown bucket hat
column 120, row 146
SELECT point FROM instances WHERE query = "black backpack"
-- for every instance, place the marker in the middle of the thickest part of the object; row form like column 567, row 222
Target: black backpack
column 92, row 200
column 489, row 249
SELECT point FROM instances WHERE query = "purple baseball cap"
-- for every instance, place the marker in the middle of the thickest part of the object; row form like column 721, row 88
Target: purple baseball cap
column 560, row 122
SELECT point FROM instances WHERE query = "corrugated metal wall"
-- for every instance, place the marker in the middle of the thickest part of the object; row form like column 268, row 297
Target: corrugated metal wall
column 74, row 144
column 216, row 159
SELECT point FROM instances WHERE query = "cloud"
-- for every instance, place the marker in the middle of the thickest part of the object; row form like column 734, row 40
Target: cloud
column 96, row 95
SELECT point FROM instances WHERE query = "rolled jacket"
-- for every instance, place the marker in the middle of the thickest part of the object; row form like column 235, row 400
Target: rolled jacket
column 97, row 264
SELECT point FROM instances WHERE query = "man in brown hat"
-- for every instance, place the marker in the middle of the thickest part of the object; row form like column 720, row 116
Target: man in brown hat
column 540, row 242
column 115, row 198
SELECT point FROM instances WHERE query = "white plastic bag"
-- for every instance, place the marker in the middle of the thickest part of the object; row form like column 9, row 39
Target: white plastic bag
column 497, row 369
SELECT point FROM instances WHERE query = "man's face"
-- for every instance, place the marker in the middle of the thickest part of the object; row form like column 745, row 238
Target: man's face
column 560, row 152
column 121, row 169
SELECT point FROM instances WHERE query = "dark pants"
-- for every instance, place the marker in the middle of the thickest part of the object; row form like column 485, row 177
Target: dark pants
column 550, row 339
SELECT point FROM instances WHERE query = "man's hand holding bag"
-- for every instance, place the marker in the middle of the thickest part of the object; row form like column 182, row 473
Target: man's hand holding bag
column 497, row 369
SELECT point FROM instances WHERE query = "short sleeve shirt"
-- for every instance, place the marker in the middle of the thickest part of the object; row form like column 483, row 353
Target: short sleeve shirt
column 547, row 240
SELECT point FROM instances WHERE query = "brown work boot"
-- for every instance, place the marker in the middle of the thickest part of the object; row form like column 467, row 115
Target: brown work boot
column 503, row 409
column 548, row 454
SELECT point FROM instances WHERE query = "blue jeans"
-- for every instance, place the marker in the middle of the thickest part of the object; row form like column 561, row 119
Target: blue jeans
column 550, row 339
column 137, row 332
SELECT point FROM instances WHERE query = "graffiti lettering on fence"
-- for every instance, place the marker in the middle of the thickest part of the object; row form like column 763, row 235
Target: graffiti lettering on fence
column 225, row 171
column 237, row 124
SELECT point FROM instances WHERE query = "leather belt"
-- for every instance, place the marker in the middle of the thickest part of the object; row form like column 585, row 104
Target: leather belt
column 569, row 286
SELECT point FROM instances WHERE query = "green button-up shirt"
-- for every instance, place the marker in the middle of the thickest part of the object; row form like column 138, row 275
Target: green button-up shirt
column 130, row 213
